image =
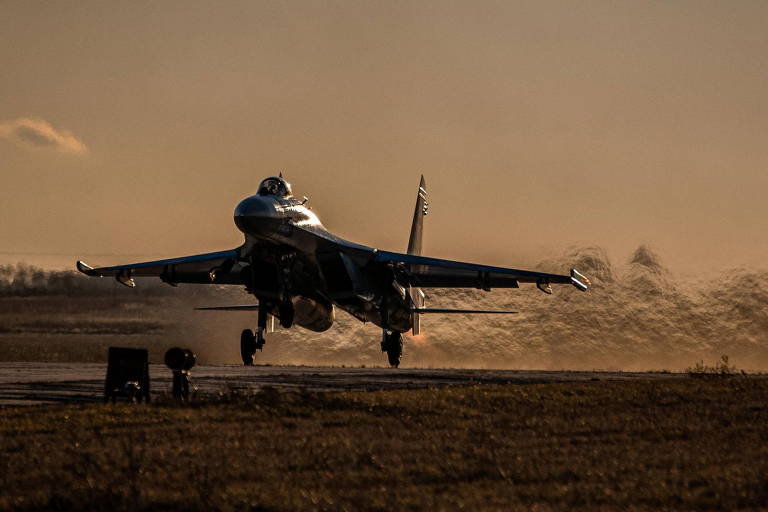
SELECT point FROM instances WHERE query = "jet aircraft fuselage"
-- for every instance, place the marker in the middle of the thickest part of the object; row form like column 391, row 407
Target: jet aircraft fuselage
column 319, row 275
column 300, row 272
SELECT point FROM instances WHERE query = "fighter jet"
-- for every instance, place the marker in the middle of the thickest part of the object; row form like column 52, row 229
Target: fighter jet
column 299, row 272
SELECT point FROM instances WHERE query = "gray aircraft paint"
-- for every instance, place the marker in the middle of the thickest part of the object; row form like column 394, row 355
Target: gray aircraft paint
column 300, row 272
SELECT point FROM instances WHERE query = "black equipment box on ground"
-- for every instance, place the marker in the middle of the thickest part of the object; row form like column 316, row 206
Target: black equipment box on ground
column 127, row 374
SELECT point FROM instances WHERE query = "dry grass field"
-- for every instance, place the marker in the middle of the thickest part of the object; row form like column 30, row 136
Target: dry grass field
column 676, row 444
column 685, row 444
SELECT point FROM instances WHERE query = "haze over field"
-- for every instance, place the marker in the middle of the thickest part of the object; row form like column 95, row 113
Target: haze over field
column 636, row 316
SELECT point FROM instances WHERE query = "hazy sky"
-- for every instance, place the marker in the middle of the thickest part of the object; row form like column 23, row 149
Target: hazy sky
column 135, row 127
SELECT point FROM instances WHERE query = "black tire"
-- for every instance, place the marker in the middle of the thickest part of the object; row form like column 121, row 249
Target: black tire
column 247, row 346
column 394, row 349
column 286, row 314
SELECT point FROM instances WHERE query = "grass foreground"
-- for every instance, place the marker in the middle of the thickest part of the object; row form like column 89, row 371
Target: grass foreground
column 678, row 444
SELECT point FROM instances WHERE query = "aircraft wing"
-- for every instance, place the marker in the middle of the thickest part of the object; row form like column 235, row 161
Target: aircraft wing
column 212, row 267
column 424, row 272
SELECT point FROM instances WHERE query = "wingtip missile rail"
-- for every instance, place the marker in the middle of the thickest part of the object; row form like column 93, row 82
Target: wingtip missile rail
column 579, row 280
column 86, row 269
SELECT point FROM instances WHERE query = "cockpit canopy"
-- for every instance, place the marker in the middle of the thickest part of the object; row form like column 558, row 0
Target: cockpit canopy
column 275, row 186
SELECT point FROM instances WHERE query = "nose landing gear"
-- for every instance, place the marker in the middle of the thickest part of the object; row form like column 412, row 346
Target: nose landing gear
column 392, row 344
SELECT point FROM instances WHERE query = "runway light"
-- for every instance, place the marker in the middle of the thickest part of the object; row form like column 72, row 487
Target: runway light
column 180, row 360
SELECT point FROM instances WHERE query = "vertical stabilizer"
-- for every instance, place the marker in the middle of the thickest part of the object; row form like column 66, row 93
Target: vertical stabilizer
column 414, row 247
column 414, row 242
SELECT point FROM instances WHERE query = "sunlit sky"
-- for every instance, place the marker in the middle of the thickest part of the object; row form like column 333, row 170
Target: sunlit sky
column 133, row 128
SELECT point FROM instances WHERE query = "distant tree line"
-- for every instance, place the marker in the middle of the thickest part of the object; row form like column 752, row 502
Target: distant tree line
column 23, row 279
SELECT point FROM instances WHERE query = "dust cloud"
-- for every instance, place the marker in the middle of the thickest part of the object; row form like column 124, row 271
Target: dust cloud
column 636, row 316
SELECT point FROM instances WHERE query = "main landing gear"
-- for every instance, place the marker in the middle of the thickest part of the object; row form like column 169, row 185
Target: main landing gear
column 392, row 344
column 286, row 314
column 250, row 342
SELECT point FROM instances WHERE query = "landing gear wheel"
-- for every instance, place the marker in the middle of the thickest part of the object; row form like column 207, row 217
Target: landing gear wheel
column 286, row 314
column 247, row 346
column 394, row 348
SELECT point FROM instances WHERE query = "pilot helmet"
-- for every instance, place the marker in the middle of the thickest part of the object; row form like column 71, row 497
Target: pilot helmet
column 275, row 186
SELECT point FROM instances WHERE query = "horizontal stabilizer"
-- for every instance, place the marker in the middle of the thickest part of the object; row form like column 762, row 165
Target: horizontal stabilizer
column 246, row 307
column 463, row 311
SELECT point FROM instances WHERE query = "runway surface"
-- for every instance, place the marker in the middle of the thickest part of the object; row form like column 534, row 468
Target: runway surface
column 37, row 383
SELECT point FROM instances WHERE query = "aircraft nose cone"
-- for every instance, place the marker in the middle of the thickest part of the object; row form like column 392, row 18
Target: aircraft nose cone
column 256, row 206
column 255, row 214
